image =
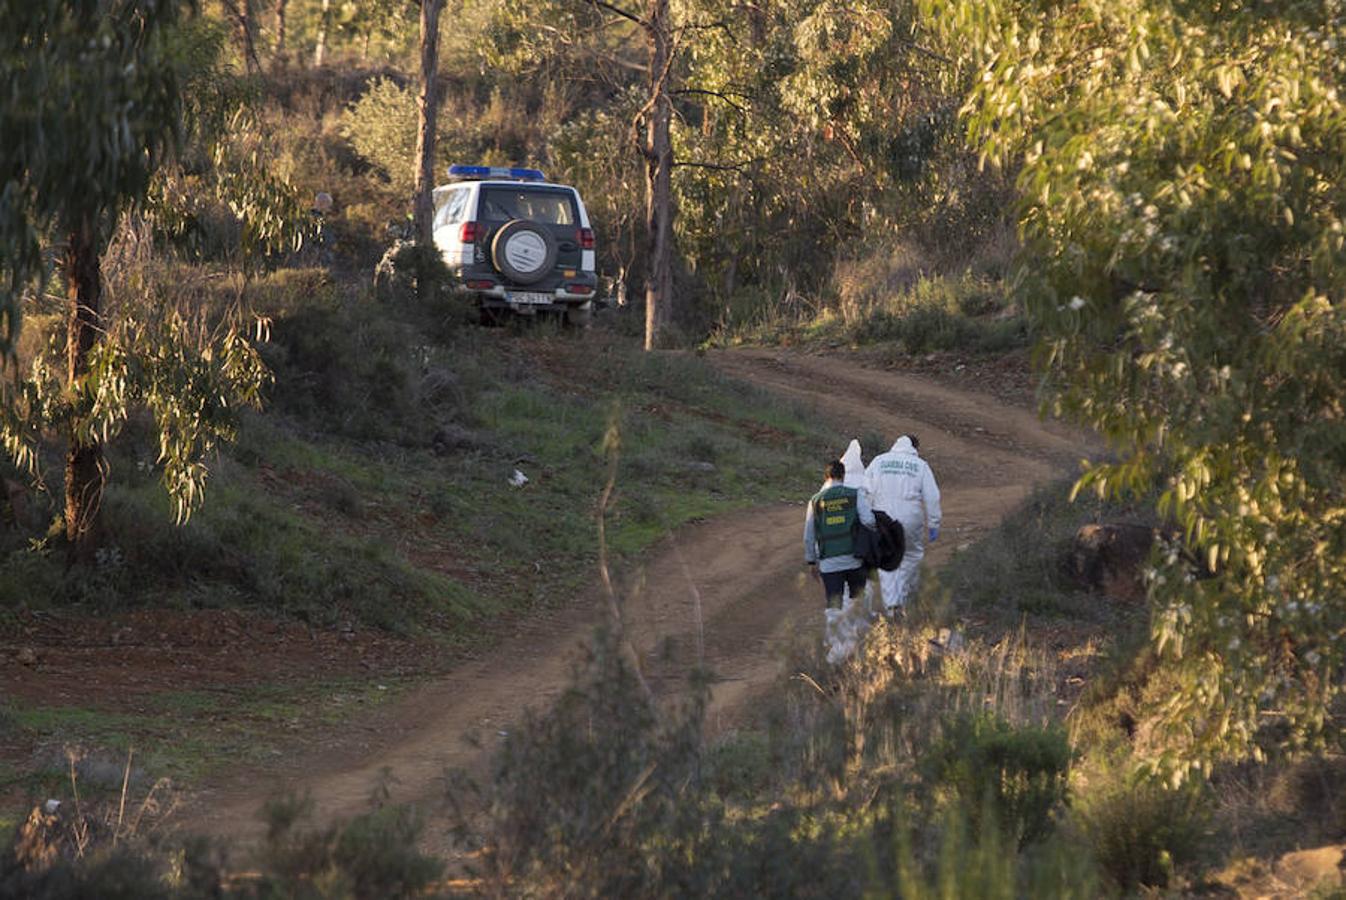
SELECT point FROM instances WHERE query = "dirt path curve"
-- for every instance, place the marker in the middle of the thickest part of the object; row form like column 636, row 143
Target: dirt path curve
column 729, row 590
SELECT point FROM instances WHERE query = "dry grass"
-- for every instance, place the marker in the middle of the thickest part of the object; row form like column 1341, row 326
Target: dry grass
column 94, row 820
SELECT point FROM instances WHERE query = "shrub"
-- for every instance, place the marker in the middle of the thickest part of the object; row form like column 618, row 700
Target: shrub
column 983, row 865
column 1141, row 833
column 373, row 855
column 343, row 362
column 738, row 766
column 940, row 314
column 381, row 125
column 1318, row 789
column 113, row 875
column 1020, row 772
column 600, row 796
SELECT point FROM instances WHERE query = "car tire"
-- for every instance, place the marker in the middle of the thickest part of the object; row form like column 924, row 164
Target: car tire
column 523, row 251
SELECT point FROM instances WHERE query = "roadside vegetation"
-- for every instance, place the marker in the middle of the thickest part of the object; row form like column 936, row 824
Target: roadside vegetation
column 986, row 746
column 980, row 748
column 964, row 314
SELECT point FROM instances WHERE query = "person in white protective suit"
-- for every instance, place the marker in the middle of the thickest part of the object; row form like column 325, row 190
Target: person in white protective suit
column 855, row 466
column 901, row 484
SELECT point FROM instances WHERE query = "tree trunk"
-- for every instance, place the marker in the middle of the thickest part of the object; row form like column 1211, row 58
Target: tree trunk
column 279, row 58
column 241, row 12
column 84, row 456
column 427, row 103
column 320, row 51
column 658, row 152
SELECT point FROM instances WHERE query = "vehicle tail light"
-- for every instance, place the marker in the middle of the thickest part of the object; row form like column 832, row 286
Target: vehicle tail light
column 481, row 284
column 470, row 233
column 586, row 239
column 579, row 288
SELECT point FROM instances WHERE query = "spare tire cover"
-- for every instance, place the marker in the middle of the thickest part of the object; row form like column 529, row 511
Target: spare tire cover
column 523, row 251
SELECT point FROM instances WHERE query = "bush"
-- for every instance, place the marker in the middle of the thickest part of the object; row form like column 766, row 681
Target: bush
column 381, row 125
column 1021, row 773
column 373, row 855
column 600, row 796
column 343, row 362
column 739, row 766
column 113, row 875
column 1141, row 833
column 941, row 314
column 983, row 865
column 921, row 315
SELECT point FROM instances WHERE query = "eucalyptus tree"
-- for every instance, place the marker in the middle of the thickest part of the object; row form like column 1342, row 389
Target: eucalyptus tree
column 591, row 38
column 427, row 107
column 1183, row 185
column 240, row 14
column 820, row 131
column 324, row 28
column 279, row 50
column 651, row 136
column 94, row 113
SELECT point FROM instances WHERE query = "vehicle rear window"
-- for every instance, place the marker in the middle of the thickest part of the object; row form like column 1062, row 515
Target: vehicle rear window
column 450, row 207
column 500, row 203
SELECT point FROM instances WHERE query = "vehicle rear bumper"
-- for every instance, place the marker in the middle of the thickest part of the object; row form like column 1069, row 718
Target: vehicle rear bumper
column 566, row 291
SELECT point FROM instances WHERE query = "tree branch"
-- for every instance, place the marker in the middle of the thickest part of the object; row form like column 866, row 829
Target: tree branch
column 717, row 167
column 617, row 10
column 722, row 25
column 923, row 51
column 658, row 89
column 722, row 96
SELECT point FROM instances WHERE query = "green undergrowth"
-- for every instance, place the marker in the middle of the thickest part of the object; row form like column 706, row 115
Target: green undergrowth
column 924, row 766
column 375, row 490
column 967, row 313
column 1020, row 569
column 921, row 767
column 376, row 487
column 185, row 735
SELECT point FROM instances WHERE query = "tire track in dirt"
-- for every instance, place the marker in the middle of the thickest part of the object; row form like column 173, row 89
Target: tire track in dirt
column 730, row 591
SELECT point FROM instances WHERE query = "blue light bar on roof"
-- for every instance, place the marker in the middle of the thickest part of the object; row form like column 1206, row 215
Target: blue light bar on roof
column 496, row 172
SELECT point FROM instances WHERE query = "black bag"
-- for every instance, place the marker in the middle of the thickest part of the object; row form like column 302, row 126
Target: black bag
column 892, row 542
column 866, row 541
column 881, row 547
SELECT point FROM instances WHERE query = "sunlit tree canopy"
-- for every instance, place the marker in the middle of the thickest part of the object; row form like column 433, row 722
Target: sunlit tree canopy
column 1183, row 183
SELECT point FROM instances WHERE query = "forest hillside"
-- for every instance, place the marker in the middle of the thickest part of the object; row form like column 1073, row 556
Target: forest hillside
column 327, row 572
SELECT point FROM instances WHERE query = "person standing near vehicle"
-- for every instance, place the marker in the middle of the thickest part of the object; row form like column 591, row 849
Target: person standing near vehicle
column 902, row 485
column 829, row 545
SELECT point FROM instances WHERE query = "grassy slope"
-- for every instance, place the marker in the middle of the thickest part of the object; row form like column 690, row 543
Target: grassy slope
column 971, row 314
column 375, row 491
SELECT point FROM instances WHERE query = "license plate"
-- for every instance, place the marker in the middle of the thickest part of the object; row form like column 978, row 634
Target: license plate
column 529, row 297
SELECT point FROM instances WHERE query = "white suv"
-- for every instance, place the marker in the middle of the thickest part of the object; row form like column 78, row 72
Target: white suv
column 517, row 242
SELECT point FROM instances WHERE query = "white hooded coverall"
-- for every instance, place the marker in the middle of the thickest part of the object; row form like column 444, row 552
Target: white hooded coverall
column 855, row 466
column 902, row 485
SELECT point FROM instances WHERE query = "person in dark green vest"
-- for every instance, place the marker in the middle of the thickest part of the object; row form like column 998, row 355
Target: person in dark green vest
column 829, row 548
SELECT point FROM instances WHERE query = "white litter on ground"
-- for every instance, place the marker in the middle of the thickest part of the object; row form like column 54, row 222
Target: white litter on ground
column 518, row 479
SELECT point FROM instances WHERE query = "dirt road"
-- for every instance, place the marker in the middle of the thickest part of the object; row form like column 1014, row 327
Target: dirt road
column 729, row 590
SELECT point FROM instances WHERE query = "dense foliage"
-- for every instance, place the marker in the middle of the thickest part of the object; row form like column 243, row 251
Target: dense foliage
column 1182, row 182
column 805, row 135
column 91, row 100
column 129, row 111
